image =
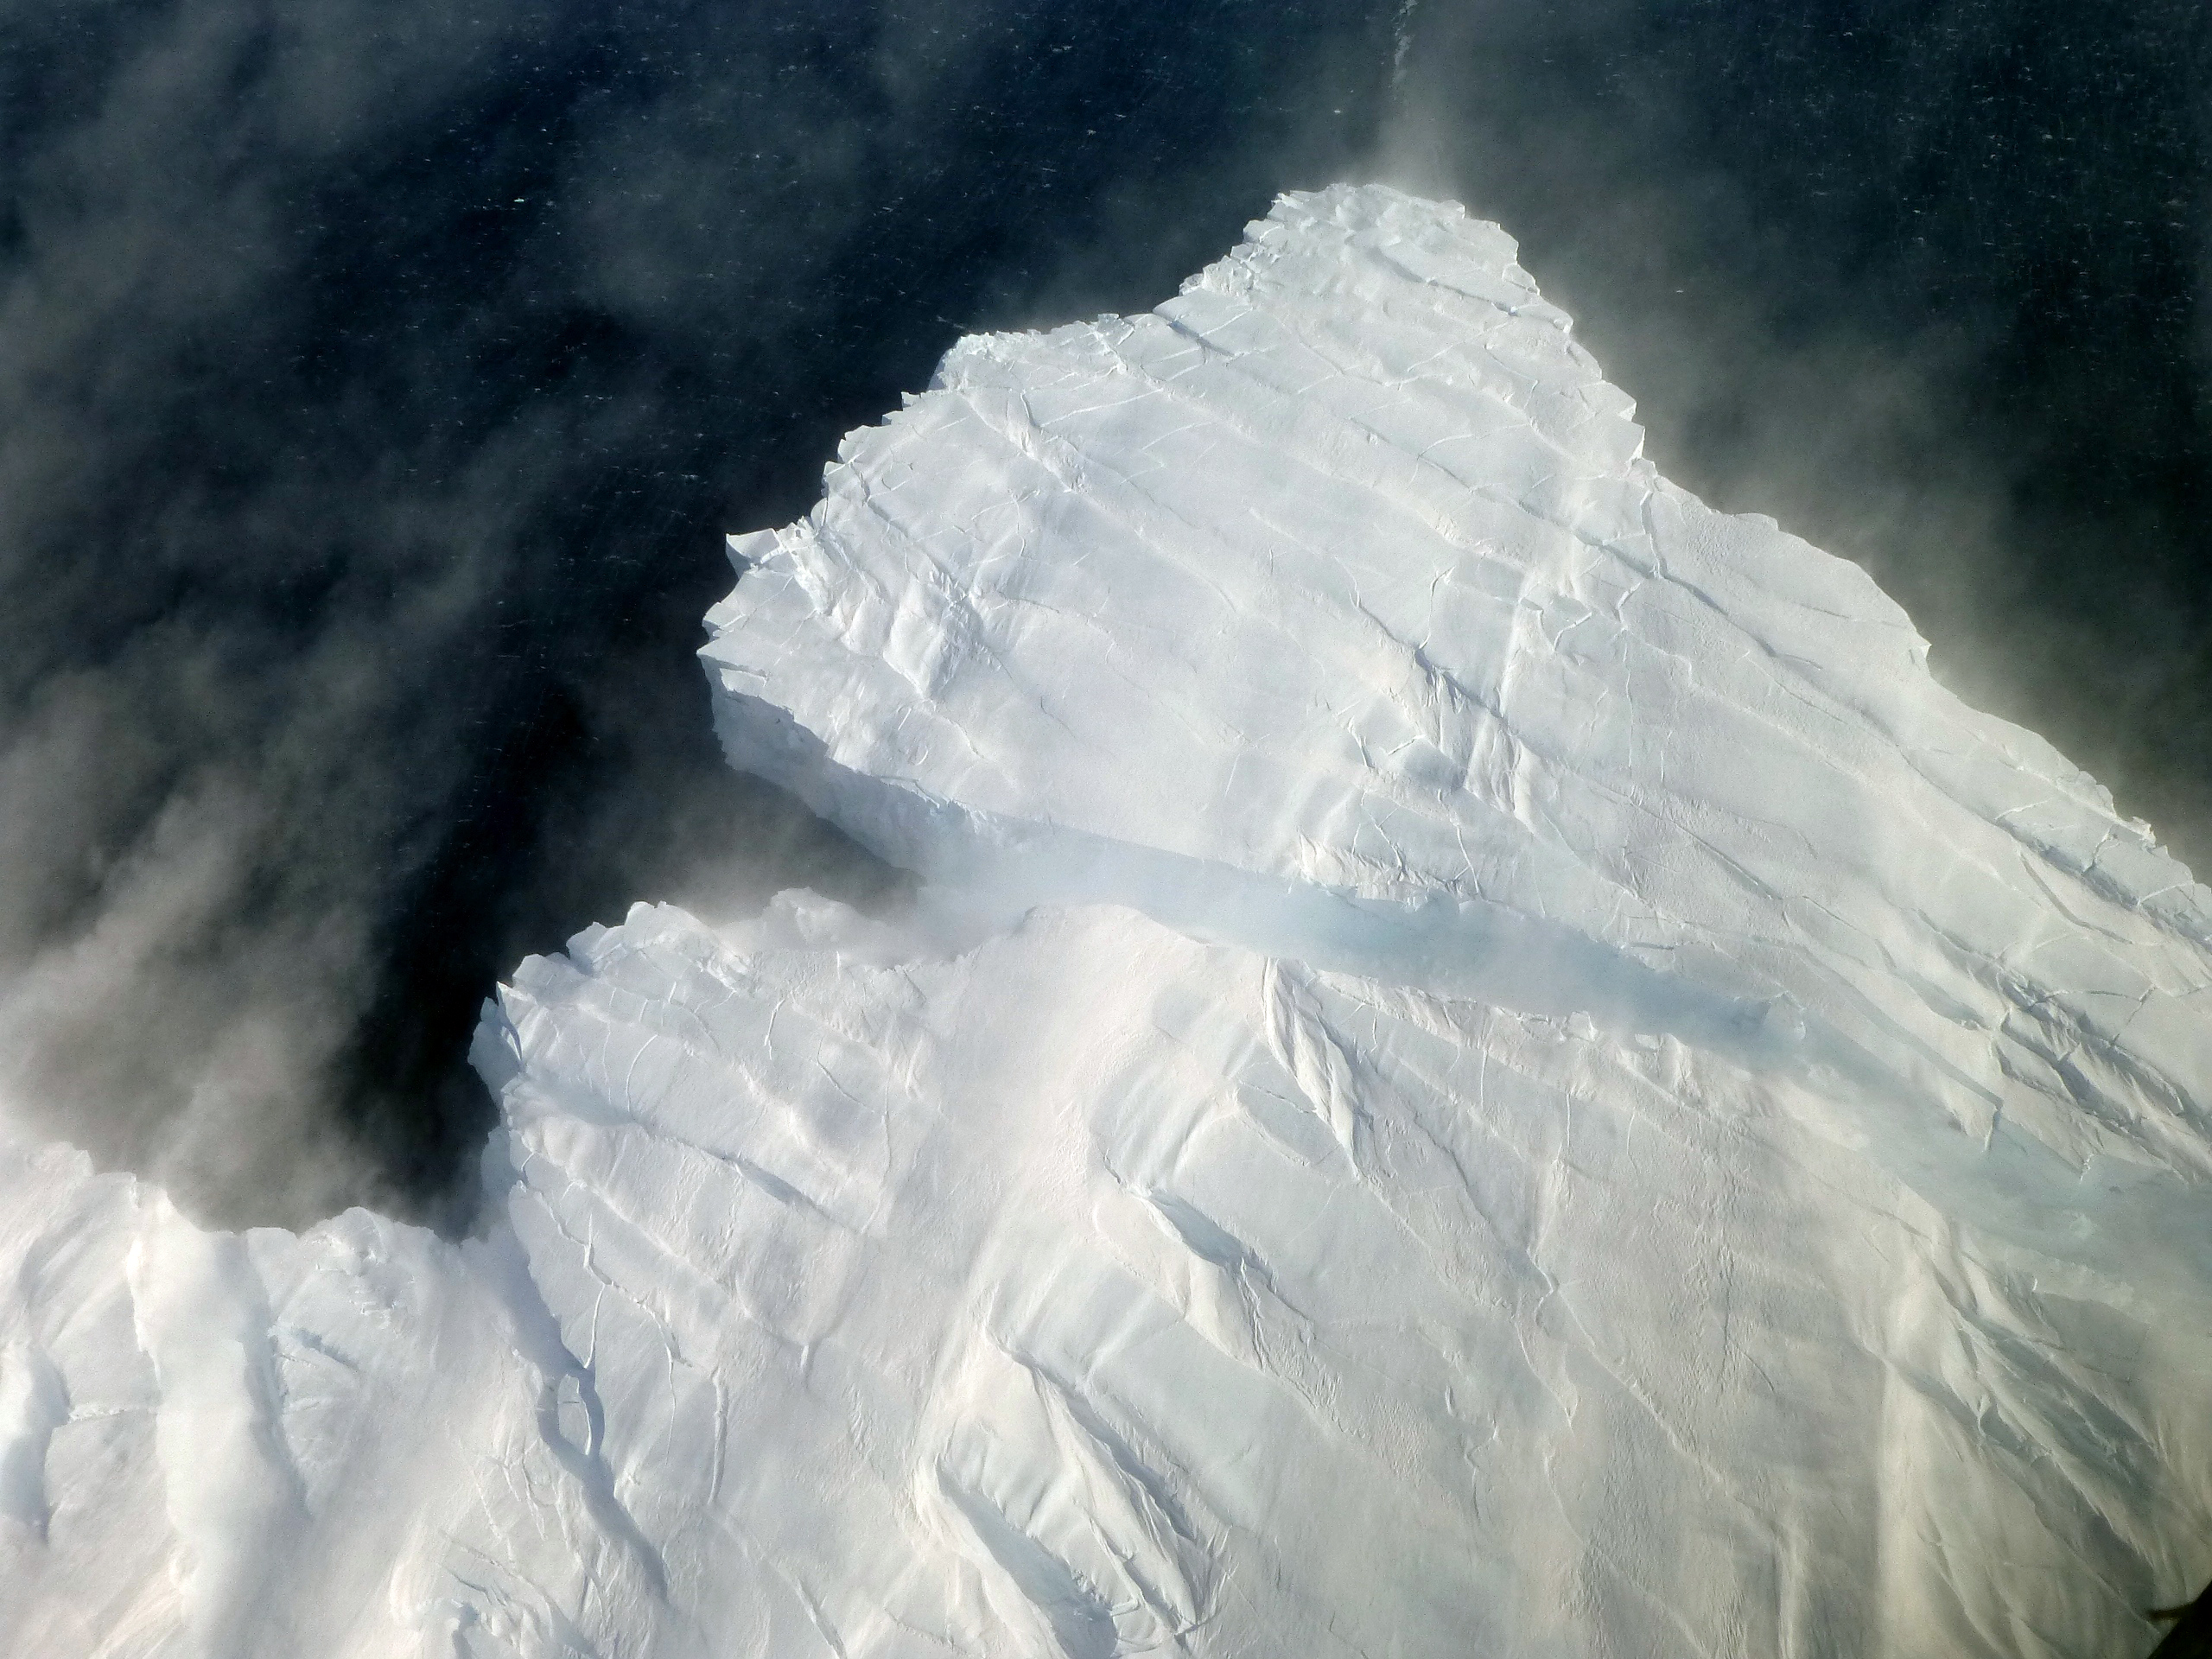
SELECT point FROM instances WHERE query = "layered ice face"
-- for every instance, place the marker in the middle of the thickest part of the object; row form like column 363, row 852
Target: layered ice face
column 1486, row 1065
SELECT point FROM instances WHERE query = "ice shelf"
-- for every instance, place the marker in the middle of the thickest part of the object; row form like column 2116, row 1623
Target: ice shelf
column 1485, row 1065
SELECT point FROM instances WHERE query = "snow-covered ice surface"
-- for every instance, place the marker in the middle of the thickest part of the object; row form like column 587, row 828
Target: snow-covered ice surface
column 1490, row 1067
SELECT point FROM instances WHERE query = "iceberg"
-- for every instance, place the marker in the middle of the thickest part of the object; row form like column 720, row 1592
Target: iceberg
column 1485, row 1063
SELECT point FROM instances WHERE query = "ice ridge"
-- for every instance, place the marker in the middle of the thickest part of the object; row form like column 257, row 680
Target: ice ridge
column 1486, row 1064
column 1353, row 578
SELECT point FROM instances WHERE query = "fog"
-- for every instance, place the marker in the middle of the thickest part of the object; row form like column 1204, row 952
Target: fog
column 377, row 382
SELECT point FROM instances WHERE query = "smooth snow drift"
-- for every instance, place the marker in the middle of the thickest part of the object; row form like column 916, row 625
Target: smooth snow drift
column 1489, row 1067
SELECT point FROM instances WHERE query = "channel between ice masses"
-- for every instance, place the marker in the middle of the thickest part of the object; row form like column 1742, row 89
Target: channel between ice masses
column 1484, row 1065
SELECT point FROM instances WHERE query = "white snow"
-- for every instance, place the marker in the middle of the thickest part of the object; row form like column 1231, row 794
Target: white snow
column 1489, row 1066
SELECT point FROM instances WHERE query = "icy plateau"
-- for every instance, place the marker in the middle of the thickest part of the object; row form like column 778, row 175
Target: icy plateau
column 1485, row 1066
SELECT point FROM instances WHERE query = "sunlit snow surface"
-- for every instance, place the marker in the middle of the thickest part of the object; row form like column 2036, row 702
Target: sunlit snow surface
column 1491, row 1068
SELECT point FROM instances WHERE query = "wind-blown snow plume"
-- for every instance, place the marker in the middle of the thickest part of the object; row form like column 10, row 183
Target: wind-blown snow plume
column 375, row 384
column 376, row 379
column 1922, row 280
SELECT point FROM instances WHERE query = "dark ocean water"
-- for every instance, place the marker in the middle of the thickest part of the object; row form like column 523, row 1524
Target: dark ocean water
column 376, row 381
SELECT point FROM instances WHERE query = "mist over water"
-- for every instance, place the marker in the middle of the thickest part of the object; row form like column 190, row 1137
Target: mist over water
column 376, row 383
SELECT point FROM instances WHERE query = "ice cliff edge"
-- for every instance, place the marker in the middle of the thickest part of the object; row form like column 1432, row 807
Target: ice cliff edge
column 1490, row 1066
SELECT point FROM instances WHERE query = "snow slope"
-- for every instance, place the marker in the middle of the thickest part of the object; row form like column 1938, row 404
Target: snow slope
column 1489, row 1066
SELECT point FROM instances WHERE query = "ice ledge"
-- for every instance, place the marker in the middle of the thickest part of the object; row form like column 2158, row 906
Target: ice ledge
column 1332, row 609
